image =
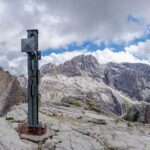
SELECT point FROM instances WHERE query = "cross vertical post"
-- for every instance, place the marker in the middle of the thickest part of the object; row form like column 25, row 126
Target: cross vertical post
column 30, row 46
column 33, row 78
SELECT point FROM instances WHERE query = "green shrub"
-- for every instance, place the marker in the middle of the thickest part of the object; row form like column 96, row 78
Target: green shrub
column 9, row 118
column 132, row 114
column 91, row 106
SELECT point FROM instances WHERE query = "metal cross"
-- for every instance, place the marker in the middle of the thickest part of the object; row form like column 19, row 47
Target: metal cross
column 30, row 46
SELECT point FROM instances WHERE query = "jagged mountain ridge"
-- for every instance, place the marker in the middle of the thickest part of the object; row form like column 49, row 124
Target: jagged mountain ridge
column 78, row 66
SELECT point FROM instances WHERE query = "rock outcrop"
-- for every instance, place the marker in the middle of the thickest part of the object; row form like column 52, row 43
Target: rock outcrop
column 144, row 115
column 132, row 79
column 10, row 139
column 11, row 92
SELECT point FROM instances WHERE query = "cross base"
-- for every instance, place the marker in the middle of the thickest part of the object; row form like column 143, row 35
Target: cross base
column 36, row 131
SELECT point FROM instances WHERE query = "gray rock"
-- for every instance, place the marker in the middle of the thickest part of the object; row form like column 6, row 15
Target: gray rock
column 11, row 93
column 49, row 69
column 10, row 139
column 82, row 92
column 144, row 115
column 132, row 79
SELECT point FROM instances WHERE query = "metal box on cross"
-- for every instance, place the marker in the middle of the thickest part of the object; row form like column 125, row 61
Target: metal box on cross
column 30, row 44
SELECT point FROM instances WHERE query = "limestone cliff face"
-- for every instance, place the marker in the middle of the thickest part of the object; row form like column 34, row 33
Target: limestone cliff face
column 131, row 79
column 11, row 92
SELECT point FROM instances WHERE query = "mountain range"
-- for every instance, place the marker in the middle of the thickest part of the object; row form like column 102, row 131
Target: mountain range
column 131, row 79
column 110, row 88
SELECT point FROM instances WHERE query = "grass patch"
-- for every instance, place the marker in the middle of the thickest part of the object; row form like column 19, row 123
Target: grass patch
column 91, row 106
column 75, row 103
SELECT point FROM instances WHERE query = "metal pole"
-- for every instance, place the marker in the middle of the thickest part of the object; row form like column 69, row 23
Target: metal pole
column 30, row 46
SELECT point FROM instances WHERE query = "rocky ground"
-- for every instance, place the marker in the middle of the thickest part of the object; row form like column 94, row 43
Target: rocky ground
column 73, row 128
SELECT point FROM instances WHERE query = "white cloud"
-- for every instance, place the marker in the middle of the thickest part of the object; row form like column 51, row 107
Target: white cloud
column 142, row 49
column 66, row 21
column 108, row 55
column 61, row 57
column 103, row 56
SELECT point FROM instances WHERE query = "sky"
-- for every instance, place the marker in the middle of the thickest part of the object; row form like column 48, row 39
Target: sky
column 111, row 30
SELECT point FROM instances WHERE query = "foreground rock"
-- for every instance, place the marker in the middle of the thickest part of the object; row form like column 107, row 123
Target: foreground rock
column 10, row 139
column 78, row 129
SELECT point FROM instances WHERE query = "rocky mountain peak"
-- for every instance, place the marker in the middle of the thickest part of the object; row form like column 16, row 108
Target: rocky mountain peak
column 82, row 65
column 85, row 59
column 48, row 69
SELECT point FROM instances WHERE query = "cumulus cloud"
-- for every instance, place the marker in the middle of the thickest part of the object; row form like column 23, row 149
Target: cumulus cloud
column 63, row 22
column 103, row 57
column 108, row 55
column 61, row 57
column 141, row 50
